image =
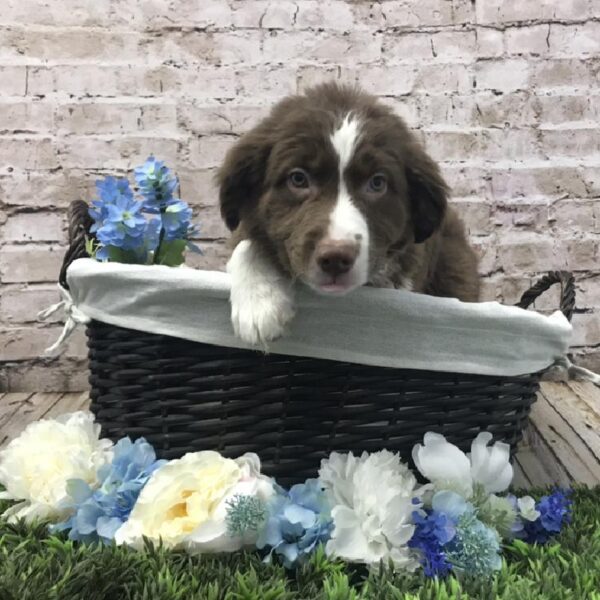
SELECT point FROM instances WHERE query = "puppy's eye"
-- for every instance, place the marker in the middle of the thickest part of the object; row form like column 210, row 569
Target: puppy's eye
column 377, row 184
column 298, row 179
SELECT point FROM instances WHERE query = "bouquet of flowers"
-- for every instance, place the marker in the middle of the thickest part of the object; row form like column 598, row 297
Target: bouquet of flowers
column 366, row 509
column 152, row 226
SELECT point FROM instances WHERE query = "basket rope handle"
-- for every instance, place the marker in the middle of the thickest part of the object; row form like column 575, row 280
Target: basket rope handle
column 567, row 291
column 79, row 228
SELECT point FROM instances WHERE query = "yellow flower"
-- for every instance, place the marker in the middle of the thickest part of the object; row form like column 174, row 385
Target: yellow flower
column 35, row 466
column 184, row 503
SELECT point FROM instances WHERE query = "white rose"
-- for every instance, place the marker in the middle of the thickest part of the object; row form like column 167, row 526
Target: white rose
column 372, row 499
column 36, row 466
column 185, row 502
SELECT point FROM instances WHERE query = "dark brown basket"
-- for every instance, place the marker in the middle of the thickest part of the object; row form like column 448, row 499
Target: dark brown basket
column 184, row 396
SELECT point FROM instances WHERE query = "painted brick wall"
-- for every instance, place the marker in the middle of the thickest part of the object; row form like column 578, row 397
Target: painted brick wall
column 505, row 94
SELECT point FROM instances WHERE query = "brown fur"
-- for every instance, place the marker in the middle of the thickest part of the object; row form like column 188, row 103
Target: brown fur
column 413, row 234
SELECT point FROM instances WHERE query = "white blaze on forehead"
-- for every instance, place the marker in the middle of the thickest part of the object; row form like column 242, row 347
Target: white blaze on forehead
column 347, row 223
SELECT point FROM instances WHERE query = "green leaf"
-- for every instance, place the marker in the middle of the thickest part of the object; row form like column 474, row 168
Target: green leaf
column 170, row 253
column 123, row 256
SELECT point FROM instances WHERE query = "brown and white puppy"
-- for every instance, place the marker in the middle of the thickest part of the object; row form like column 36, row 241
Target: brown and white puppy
column 333, row 190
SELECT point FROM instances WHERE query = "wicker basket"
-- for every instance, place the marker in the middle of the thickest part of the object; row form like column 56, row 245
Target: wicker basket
column 184, row 396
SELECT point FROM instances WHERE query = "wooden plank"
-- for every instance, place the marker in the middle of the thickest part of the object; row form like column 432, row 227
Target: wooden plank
column 520, row 480
column 32, row 409
column 9, row 405
column 69, row 402
column 588, row 393
column 536, row 472
column 584, row 421
column 566, row 446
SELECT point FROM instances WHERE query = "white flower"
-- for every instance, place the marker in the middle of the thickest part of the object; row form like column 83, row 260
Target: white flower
column 372, row 505
column 35, row 466
column 527, row 508
column 184, row 503
column 448, row 468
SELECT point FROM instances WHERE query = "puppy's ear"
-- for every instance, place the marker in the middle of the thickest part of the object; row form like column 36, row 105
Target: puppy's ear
column 428, row 194
column 241, row 176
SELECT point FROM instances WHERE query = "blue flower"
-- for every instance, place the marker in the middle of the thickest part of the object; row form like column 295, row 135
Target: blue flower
column 156, row 183
column 176, row 220
column 97, row 514
column 298, row 521
column 433, row 530
column 555, row 512
column 109, row 190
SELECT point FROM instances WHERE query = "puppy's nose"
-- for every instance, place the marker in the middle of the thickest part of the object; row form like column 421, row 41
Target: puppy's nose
column 336, row 258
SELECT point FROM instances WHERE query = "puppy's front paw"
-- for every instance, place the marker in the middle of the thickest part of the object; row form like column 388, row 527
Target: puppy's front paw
column 261, row 314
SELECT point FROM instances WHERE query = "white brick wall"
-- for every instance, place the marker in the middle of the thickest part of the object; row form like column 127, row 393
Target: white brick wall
column 505, row 93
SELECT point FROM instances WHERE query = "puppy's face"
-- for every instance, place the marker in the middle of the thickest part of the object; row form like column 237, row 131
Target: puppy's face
column 330, row 182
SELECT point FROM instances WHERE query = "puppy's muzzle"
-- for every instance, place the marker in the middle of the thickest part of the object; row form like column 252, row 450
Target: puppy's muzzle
column 336, row 258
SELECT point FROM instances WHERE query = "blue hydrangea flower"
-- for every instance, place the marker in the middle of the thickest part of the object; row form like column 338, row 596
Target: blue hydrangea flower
column 97, row 514
column 124, row 225
column 298, row 521
column 176, row 220
column 433, row 530
column 555, row 512
column 157, row 184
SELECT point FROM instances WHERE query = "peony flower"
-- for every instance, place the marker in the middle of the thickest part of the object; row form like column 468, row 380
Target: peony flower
column 185, row 503
column 298, row 521
column 448, row 468
column 35, row 467
column 372, row 505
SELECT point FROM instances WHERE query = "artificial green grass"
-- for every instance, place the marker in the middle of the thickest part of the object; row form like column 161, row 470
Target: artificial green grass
column 37, row 566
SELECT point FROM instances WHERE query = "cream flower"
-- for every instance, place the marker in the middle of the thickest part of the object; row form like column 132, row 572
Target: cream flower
column 36, row 466
column 372, row 499
column 448, row 468
column 184, row 503
column 527, row 508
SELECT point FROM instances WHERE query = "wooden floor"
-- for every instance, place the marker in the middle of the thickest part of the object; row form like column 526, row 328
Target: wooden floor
column 561, row 445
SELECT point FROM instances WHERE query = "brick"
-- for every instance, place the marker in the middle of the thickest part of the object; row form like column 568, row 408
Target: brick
column 443, row 79
column 525, row 41
column 13, row 80
column 211, row 224
column 564, row 141
column 510, row 11
column 49, row 375
column 396, row 80
column 214, row 257
column 26, row 117
column 486, row 250
column 564, row 74
column 329, row 48
column 30, row 263
column 475, row 213
column 581, row 254
column 451, row 45
column 21, row 304
column 183, row 45
column 20, row 343
column 402, row 47
column 579, row 40
column 35, row 189
column 503, row 76
column 560, row 109
column 28, row 152
column 490, row 43
column 528, row 252
column 206, row 152
column 406, row 13
column 572, row 215
column 67, row 44
column 198, row 187
column 528, row 213
column 586, row 330
column 33, row 227
column 116, row 117
column 200, row 14
column 207, row 119
column 318, row 14
column 507, row 110
column 100, row 80
column 91, row 152
column 588, row 292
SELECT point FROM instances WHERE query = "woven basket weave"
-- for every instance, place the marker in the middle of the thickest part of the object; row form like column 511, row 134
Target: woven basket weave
column 184, row 396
